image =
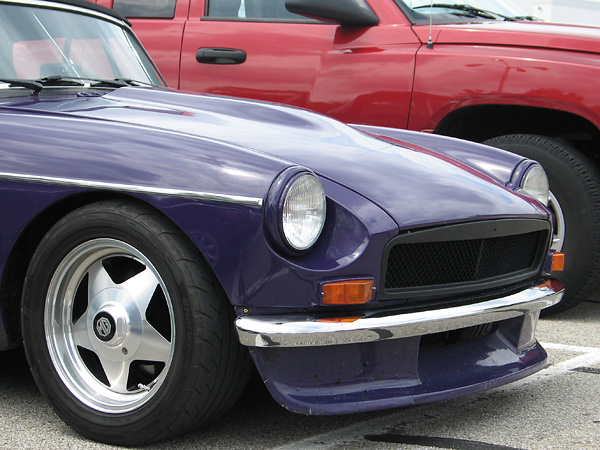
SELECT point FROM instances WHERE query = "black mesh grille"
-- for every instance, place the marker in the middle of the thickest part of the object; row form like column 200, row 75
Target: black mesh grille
column 459, row 261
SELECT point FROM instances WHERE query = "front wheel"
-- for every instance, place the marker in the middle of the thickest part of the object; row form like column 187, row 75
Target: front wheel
column 575, row 201
column 127, row 332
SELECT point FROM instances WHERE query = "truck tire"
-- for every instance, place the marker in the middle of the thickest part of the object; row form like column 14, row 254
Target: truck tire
column 575, row 201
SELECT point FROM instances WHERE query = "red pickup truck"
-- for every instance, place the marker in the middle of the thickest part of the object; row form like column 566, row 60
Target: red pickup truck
column 453, row 69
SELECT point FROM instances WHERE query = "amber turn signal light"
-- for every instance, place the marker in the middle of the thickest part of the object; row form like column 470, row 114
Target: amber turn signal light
column 347, row 292
column 558, row 262
column 339, row 320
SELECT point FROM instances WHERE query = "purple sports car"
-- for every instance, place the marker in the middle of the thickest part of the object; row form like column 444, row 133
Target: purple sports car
column 158, row 245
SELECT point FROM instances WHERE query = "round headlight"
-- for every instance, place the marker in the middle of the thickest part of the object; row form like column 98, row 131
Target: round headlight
column 535, row 184
column 303, row 211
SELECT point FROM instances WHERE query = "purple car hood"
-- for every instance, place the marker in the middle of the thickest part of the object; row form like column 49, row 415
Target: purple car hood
column 415, row 187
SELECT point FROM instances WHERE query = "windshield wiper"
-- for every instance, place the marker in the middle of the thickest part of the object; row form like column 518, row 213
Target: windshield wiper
column 41, row 83
column 115, row 82
column 469, row 11
column 529, row 18
column 28, row 84
column 131, row 82
column 57, row 80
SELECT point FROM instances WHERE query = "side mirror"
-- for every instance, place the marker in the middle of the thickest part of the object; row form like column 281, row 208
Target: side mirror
column 356, row 13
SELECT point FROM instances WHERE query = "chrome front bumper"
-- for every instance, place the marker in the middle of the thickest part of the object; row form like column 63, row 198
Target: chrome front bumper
column 306, row 331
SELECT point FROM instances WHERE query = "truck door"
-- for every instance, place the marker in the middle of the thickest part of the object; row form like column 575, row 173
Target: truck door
column 258, row 49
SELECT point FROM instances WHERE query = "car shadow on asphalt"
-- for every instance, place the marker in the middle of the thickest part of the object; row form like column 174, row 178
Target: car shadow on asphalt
column 257, row 421
column 14, row 370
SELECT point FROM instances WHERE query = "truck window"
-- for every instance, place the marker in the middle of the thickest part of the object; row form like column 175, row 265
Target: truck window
column 150, row 9
column 250, row 9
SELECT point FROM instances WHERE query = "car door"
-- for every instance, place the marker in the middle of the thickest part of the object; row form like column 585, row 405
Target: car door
column 258, row 49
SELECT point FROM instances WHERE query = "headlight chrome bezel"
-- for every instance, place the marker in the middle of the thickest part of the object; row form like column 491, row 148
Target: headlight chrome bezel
column 282, row 230
column 535, row 184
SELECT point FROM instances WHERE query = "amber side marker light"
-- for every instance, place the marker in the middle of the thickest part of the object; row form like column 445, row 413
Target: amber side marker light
column 558, row 262
column 348, row 292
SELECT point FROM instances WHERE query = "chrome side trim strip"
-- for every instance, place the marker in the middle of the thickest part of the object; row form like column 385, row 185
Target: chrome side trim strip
column 305, row 331
column 206, row 196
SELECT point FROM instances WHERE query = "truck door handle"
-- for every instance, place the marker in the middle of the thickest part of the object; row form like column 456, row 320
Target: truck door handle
column 220, row 56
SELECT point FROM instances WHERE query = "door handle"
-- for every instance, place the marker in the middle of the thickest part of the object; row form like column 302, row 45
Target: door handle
column 220, row 56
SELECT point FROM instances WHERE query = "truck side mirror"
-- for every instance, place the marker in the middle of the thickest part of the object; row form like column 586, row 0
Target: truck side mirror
column 356, row 13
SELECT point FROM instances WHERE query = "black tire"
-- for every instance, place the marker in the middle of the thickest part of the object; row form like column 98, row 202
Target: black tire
column 575, row 185
column 127, row 332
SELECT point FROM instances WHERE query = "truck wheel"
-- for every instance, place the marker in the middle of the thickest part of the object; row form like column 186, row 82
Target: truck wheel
column 126, row 330
column 575, row 201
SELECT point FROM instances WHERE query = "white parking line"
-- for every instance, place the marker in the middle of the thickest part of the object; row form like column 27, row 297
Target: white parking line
column 352, row 433
column 589, row 356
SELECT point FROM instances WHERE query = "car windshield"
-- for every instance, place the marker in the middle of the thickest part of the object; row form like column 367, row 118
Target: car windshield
column 468, row 10
column 58, row 47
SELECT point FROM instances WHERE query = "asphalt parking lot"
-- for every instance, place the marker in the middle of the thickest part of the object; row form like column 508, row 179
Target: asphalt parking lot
column 557, row 408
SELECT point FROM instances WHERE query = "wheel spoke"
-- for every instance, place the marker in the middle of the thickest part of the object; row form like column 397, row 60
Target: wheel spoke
column 154, row 346
column 81, row 337
column 141, row 287
column 117, row 374
column 99, row 279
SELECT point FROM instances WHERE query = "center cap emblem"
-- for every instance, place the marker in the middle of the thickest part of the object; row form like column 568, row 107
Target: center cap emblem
column 104, row 327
